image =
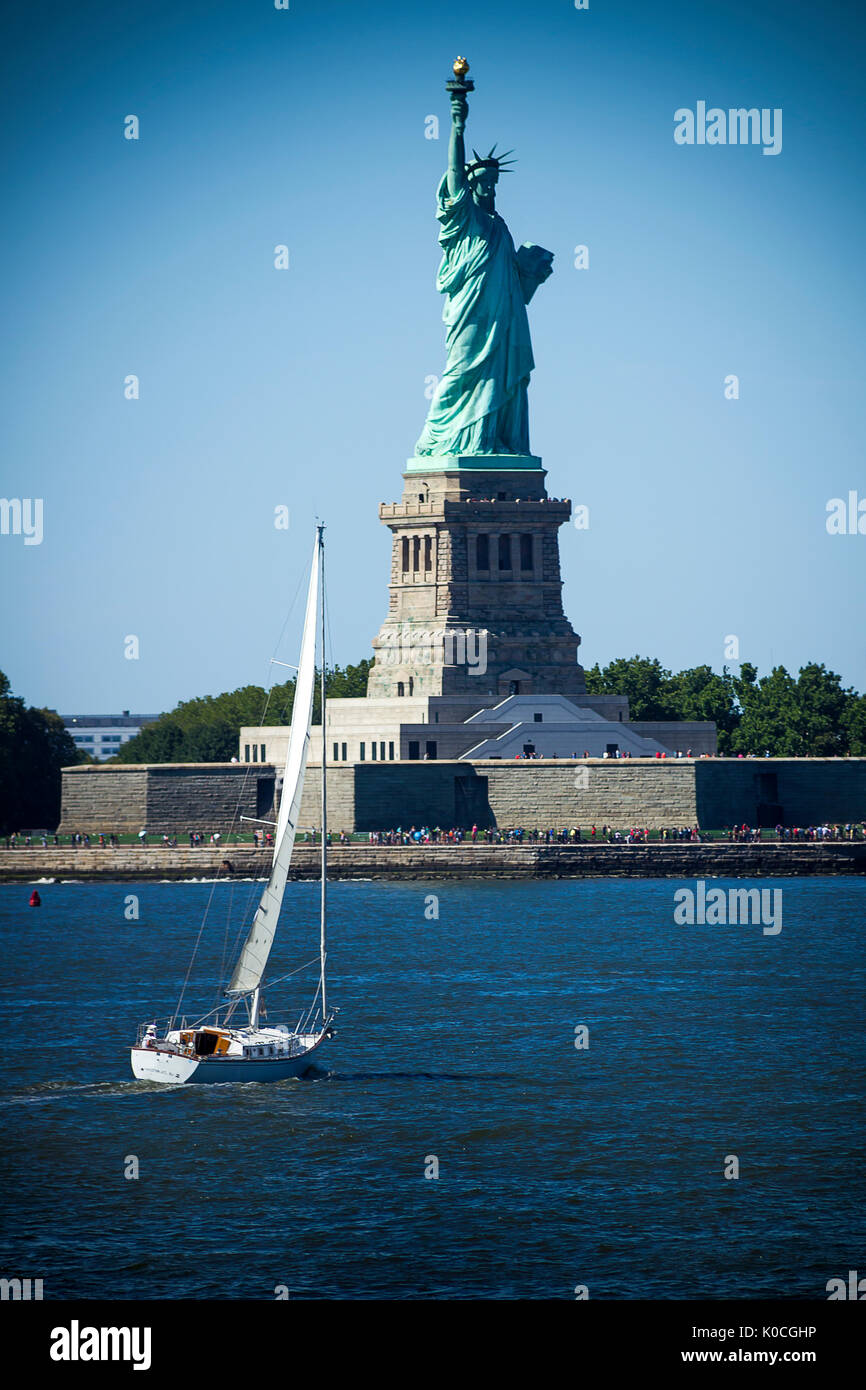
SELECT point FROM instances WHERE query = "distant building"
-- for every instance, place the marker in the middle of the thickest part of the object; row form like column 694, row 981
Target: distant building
column 102, row 735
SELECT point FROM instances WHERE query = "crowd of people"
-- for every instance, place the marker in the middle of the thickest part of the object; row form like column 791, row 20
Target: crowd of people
column 593, row 834
column 472, row 835
column 108, row 840
column 516, row 499
column 519, row 835
column 622, row 753
column 850, row 831
column 619, row 753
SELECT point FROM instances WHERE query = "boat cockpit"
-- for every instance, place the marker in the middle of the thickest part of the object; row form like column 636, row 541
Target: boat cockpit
column 206, row 1042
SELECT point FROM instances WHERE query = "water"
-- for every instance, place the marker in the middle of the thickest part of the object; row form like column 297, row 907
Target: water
column 557, row 1167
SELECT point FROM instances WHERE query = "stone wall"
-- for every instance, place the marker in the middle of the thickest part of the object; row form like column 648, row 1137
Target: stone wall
column 716, row 792
column 711, row 792
column 795, row 791
column 382, row 796
column 341, row 796
column 164, row 798
column 619, row 793
column 103, row 798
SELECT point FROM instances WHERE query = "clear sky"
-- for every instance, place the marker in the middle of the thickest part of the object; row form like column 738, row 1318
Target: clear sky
column 305, row 387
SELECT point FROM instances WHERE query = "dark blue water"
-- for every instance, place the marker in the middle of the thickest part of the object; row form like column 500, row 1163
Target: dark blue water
column 557, row 1167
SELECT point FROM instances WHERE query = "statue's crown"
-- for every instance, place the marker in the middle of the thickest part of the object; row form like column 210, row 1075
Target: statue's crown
column 491, row 161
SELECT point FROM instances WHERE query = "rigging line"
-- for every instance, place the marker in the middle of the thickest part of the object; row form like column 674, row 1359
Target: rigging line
column 219, row 869
column 289, row 613
column 245, row 921
column 290, row 687
column 253, row 892
column 292, row 683
column 269, row 689
column 280, row 978
column 218, row 878
column 210, row 1012
column 315, row 1000
column 221, row 975
column 327, row 608
column 236, row 945
column 195, row 949
column 248, row 770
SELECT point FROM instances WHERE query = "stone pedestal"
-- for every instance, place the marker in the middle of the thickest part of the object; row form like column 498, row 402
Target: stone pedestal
column 475, row 598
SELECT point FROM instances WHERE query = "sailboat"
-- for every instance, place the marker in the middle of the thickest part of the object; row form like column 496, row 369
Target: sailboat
column 231, row 1043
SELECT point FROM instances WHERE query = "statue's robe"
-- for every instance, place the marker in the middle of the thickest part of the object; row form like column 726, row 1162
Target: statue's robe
column 480, row 404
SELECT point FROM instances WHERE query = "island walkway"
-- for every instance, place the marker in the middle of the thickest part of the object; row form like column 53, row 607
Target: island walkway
column 670, row 859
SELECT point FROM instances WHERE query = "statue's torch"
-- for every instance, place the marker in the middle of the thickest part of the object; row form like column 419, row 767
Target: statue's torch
column 460, row 84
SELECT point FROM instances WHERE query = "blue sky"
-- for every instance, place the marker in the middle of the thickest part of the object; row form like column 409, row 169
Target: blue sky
column 305, row 387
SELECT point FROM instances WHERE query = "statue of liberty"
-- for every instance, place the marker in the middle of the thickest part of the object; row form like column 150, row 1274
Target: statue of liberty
column 480, row 405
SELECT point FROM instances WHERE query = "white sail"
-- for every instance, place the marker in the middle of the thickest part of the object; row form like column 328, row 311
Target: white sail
column 257, row 947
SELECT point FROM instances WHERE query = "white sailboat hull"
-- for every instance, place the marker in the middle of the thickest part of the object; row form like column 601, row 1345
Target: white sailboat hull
column 177, row 1069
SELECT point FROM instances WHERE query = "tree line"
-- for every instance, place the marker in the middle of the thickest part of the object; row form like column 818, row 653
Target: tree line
column 807, row 716
column 207, row 729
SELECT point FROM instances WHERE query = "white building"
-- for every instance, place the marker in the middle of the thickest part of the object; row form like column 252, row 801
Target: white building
column 102, row 735
column 430, row 727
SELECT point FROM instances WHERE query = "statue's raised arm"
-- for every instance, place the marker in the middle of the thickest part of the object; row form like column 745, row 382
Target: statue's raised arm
column 456, row 149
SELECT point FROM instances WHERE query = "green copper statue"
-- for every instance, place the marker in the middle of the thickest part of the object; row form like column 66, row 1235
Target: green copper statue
column 480, row 404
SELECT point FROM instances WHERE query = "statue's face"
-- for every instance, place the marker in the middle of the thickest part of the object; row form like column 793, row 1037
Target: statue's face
column 484, row 183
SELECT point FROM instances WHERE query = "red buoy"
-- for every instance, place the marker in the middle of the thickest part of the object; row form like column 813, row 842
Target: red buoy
column 35, row 900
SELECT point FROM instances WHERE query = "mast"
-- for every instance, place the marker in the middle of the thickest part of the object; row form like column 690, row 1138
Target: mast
column 324, row 891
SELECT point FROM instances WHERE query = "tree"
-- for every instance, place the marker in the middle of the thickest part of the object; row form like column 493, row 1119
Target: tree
column 803, row 718
column 769, row 719
column 211, row 743
column 823, row 703
column 701, row 694
column 642, row 679
column 854, row 726
column 344, row 683
column 34, row 746
column 160, row 742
